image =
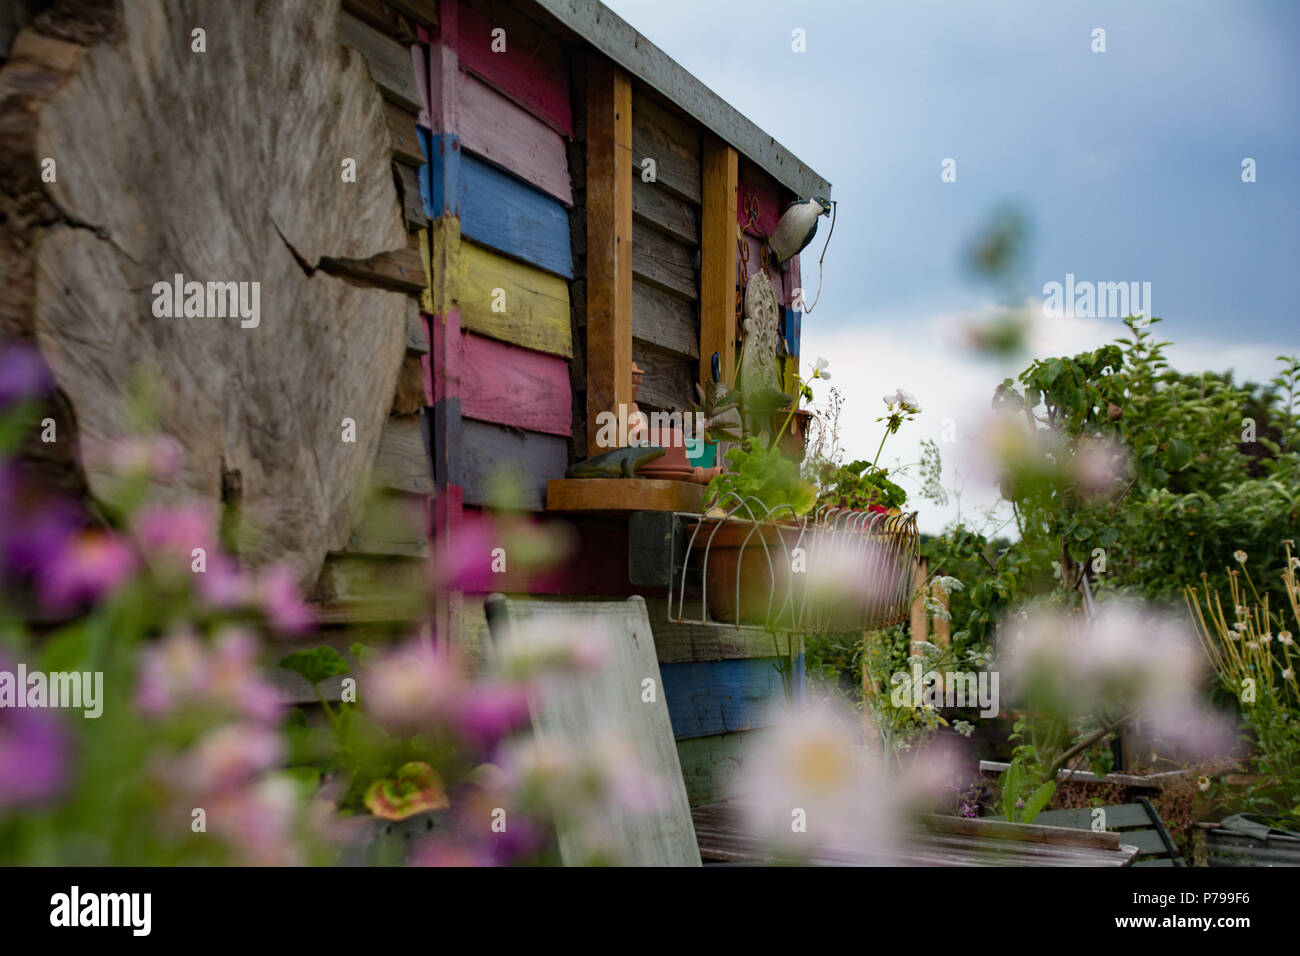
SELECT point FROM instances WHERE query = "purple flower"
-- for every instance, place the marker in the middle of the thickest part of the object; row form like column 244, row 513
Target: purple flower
column 33, row 753
column 23, row 374
column 490, row 711
column 88, row 566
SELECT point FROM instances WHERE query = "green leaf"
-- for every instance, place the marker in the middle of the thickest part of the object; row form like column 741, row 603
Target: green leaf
column 1179, row 455
column 316, row 664
column 1037, row 800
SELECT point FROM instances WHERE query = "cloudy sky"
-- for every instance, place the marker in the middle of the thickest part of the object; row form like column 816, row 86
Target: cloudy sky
column 1127, row 163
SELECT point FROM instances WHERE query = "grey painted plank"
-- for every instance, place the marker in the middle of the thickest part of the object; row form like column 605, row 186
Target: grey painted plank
column 665, row 263
column 610, row 701
column 489, row 453
column 659, row 209
column 389, row 61
column 402, row 463
column 669, row 381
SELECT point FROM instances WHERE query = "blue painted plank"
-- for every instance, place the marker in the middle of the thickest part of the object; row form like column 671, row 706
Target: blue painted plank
column 716, row 697
column 790, row 321
column 499, row 211
column 440, row 177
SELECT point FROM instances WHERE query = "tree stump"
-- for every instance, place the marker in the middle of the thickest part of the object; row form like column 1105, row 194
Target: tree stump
column 219, row 166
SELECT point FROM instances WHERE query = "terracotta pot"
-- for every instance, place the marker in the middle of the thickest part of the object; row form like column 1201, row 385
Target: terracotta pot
column 740, row 549
column 675, row 465
column 794, row 441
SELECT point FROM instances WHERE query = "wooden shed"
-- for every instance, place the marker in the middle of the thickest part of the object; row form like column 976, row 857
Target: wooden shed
column 540, row 198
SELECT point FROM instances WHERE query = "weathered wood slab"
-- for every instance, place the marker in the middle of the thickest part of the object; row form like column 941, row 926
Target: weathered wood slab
column 610, row 704
column 402, row 462
column 394, row 525
column 659, row 209
column 412, row 204
column 400, row 269
column 499, row 130
column 402, row 130
column 719, row 697
column 665, row 263
column 536, row 303
column 242, row 401
column 665, row 321
column 512, row 386
column 669, row 381
column 531, row 70
column 671, row 142
column 388, row 60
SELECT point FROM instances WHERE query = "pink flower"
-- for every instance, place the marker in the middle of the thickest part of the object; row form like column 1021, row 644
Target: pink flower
column 174, row 532
column 179, row 672
column 283, row 603
column 90, row 565
column 223, row 585
column 230, row 757
column 413, row 688
column 258, row 822
column 489, row 711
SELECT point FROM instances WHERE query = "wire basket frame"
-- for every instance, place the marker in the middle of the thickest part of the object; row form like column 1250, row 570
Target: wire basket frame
column 835, row 571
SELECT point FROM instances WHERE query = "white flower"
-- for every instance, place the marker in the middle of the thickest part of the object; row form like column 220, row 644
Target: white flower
column 1288, row 673
column 1286, row 638
column 1240, row 556
column 1253, row 645
column 1241, row 610
column 1266, row 637
column 905, row 401
column 1295, row 562
column 1203, row 783
column 1240, row 626
column 819, row 368
column 949, row 584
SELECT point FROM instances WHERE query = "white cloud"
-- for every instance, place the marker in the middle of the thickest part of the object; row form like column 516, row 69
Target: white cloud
column 926, row 356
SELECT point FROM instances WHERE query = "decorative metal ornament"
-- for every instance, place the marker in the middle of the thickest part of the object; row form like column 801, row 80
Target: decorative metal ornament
column 758, row 365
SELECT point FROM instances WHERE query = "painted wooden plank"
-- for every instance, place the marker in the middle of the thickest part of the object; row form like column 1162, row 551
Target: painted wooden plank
column 712, row 766
column 412, row 204
column 388, row 60
column 536, row 303
column 622, row 495
column 753, row 249
column 531, row 70
column 389, row 16
column 717, row 697
column 665, row 263
column 503, row 213
column 609, row 243
column 609, row 702
column 669, row 380
column 402, row 463
column 671, row 142
column 677, row 643
column 718, row 260
column 403, row 131
column 499, row 130
column 490, row 454
column 665, row 321
column 790, row 331
column 512, row 386
column 760, row 193
column 659, row 209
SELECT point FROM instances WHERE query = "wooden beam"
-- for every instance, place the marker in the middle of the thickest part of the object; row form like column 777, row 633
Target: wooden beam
column 718, row 260
column 609, row 242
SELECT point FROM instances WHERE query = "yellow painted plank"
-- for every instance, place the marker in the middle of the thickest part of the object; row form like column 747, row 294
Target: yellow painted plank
column 515, row 303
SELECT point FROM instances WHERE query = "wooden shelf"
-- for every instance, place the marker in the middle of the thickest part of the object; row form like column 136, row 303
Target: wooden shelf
column 622, row 494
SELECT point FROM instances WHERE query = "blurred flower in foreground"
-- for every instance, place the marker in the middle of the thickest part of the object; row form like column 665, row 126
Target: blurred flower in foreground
column 179, row 672
column 23, row 374
column 1127, row 656
column 33, row 753
column 90, row 565
column 808, row 788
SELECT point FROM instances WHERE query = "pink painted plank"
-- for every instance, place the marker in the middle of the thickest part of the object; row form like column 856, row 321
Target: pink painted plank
column 767, row 195
column 779, row 281
column 508, row 385
column 532, row 70
column 500, row 130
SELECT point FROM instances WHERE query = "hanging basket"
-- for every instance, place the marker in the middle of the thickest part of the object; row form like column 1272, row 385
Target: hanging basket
column 836, row 571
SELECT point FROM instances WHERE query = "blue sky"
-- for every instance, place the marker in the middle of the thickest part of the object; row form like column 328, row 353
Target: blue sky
column 1127, row 163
